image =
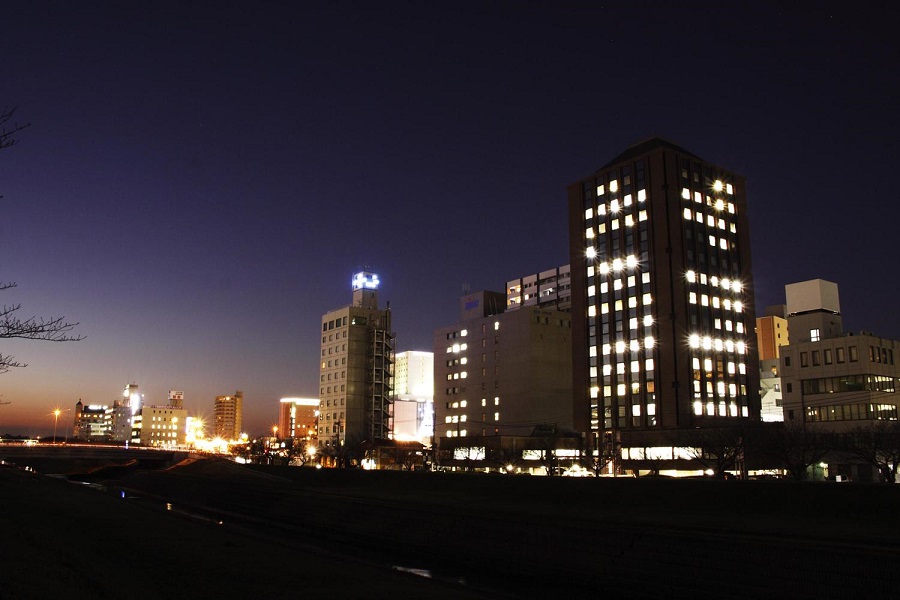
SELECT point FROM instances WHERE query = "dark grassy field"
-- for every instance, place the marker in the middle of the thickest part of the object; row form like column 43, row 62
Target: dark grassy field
column 332, row 531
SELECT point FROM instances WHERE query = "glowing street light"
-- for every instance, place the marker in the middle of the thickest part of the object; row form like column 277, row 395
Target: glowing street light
column 56, row 413
column 275, row 431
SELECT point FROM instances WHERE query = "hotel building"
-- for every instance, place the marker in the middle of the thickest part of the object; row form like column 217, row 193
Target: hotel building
column 228, row 415
column 357, row 368
column 297, row 418
column 662, row 298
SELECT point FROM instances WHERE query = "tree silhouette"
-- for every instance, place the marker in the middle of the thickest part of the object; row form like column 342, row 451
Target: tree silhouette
column 55, row 329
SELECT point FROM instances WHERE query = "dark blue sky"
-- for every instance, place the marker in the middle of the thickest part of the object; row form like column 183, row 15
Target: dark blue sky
column 199, row 183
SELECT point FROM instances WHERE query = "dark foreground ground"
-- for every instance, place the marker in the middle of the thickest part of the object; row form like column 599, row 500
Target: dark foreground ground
column 297, row 531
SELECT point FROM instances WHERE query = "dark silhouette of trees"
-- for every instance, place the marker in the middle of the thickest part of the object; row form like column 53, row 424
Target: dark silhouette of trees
column 55, row 329
column 796, row 448
column 718, row 449
column 597, row 456
column 877, row 445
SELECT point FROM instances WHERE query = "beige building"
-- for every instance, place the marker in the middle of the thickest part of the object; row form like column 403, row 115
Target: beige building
column 162, row 426
column 298, row 418
column 356, row 372
column 501, row 372
column 228, row 414
column 548, row 289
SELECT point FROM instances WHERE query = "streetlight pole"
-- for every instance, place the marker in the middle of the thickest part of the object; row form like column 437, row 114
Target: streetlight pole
column 56, row 413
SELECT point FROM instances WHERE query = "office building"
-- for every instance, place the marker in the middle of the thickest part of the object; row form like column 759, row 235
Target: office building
column 93, row 422
column 662, row 299
column 499, row 372
column 831, row 380
column 228, row 415
column 356, row 373
column 547, row 289
column 412, row 412
column 298, row 417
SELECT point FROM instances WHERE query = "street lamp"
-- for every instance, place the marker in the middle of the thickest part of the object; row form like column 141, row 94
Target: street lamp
column 56, row 413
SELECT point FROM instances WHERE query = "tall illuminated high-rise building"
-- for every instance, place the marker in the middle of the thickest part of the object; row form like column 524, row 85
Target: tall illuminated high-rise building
column 357, row 368
column 662, row 297
column 229, row 415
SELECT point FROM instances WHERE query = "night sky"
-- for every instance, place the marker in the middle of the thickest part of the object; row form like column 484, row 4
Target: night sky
column 199, row 183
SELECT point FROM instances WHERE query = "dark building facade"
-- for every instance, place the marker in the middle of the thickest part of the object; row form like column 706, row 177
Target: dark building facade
column 662, row 297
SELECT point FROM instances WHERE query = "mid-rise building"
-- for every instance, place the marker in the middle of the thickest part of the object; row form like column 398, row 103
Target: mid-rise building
column 93, row 422
column 499, row 372
column 356, row 373
column 228, row 414
column 412, row 412
column 298, row 418
column 547, row 289
column 831, row 380
column 771, row 335
column 662, row 298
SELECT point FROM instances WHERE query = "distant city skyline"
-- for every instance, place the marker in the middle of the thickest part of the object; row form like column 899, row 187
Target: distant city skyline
column 199, row 182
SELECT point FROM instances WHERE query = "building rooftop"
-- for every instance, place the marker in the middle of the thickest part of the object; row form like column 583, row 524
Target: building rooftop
column 645, row 146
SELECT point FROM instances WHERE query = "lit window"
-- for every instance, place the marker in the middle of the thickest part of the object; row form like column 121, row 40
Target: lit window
column 649, row 342
column 687, row 214
column 632, row 281
column 591, row 290
column 614, row 224
column 601, row 210
column 642, row 195
column 589, row 233
column 614, row 206
column 715, row 302
column 707, row 364
column 464, row 333
column 723, row 244
column 692, row 298
column 718, row 186
column 729, row 189
column 607, row 370
column 710, row 408
column 606, row 349
column 740, row 347
column 620, row 389
column 604, row 287
column 592, row 351
column 614, row 186
column 698, row 198
column 617, row 264
column 603, row 268
column 645, row 277
column 634, row 346
column 496, row 416
column 731, row 208
column 647, row 300
column 462, row 419
column 600, row 190
column 721, row 224
column 629, row 221
column 699, row 216
column 601, row 228
column 496, row 400
column 592, row 310
column 595, row 391
column 720, row 205
column 740, row 327
column 704, row 300
column 698, row 407
column 604, row 308
column 635, row 366
column 591, row 252
column 712, row 241
column 632, row 302
column 626, row 201
column 738, row 306
column 617, row 284
column 642, row 215
column 648, row 321
column 694, row 340
column 631, row 261
column 707, row 343
column 496, row 327
column 620, row 347
column 685, row 193
column 620, row 368
column 710, row 221
column 691, row 276
column 648, row 364
column 731, row 368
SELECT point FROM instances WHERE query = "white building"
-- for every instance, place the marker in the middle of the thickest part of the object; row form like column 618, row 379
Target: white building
column 413, row 406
